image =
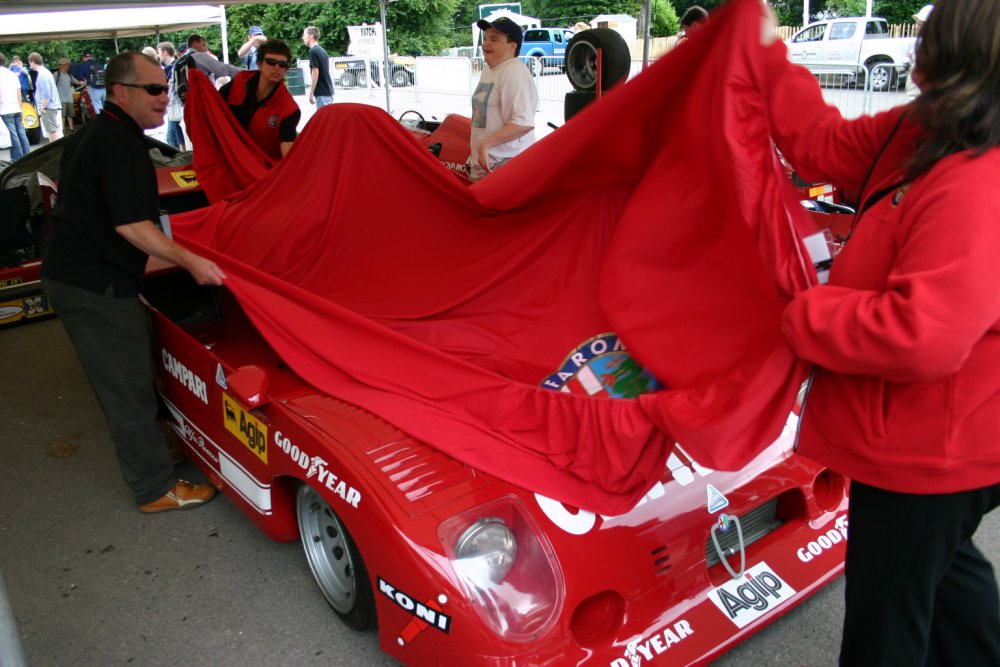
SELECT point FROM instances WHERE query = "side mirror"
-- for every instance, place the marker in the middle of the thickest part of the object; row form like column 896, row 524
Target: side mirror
column 249, row 385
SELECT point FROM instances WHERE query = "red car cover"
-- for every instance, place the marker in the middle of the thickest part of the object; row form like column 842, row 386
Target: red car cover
column 660, row 213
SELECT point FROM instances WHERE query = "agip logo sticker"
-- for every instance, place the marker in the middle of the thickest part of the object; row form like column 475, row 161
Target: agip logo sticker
column 249, row 430
column 755, row 594
column 602, row 366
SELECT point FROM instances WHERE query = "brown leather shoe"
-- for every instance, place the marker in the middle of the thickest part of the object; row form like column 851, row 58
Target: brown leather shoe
column 184, row 496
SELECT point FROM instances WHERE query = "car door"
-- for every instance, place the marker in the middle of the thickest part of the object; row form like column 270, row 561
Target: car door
column 843, row 43
column 806, row 46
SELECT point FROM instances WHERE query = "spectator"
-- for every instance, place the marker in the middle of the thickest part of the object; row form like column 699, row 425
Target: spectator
column 175, row 110
column 905, row 398
column 10, row 110
column 262, row 104
column 248, row 50
column 93, row 268
column 65, row 84
column 47, row 99
column 503, row 105
column 23, row 77
column 694, row 15
column 580, row 26
column 205, row 61
column 92, row 72
column 912, row 87
column 321, row 90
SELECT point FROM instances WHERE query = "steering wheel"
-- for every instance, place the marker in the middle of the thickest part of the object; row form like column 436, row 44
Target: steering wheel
column 420, row 124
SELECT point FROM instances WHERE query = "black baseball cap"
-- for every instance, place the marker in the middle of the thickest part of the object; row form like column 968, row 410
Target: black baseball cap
column 507, row 27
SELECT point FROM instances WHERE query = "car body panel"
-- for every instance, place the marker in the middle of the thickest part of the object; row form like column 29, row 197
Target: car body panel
column 629, row 590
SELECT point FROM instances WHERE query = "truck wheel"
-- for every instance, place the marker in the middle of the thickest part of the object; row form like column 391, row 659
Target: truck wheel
column 347, row 80
column 362, row 78
column 581, row 58
column 334, row 560
column 883, row 76
column 400, row 78
column 536, row 65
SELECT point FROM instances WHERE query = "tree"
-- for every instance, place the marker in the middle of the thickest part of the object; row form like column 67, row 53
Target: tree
column 568, row 12
column 664, row 19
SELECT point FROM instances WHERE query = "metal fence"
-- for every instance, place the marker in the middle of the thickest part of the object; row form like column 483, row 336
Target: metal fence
column 855, row 91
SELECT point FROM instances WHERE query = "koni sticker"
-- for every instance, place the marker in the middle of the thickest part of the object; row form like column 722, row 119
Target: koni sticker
column 249, row 430
column 427, row 614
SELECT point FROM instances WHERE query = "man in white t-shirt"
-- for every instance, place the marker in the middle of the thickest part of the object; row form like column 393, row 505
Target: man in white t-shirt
column 503, row 106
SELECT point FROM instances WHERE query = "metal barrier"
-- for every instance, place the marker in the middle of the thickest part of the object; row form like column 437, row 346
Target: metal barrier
column 859, row 91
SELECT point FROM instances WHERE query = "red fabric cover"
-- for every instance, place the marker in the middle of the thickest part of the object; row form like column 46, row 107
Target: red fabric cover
column 226, row 159
column 657, row 213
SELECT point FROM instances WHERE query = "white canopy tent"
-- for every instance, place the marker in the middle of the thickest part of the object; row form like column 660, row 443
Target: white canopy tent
column 107, row 23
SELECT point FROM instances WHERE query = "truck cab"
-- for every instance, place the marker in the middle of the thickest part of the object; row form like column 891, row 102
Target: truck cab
column 545, row 47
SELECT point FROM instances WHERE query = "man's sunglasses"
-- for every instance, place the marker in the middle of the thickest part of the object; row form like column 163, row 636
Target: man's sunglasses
column 153, row 89
column 283, row 64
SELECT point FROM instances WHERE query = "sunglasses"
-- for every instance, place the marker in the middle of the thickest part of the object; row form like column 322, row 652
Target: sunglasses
column 283, row 64
column 152, row 89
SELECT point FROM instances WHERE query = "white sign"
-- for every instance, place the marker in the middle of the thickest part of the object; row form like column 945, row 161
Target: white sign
column 366, row 41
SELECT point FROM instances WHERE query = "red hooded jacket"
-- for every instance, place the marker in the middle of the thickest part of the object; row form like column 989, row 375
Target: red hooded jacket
column 906, row 335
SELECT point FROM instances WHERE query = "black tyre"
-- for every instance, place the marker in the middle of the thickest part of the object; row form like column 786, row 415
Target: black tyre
column 576, row 100
column 362, row 77
column 883, row 76
column 347, row 80
column 581, row 58
column 334, row 560
column 401, row 78
column 34, row 135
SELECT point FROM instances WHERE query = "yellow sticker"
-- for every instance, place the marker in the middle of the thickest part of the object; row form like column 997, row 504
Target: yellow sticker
column 7, row 282
column 248, row 429
column 185, row 179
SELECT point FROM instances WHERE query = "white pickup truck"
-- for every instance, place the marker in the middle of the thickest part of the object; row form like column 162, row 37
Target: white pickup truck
column 852, row 46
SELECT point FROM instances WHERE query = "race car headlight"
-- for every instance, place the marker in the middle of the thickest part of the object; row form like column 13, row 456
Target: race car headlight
column 486, row 551
column 506, row 568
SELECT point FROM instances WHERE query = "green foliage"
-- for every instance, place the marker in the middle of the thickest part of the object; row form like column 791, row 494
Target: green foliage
column 568, row 12
column 664, row 20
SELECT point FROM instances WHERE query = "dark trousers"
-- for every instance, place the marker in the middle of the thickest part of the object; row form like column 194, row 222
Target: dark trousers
column 111, row 339
column 918, row 591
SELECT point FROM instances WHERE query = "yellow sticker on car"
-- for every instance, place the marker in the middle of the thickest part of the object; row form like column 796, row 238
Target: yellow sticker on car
column 186, row 178
column 249, row 430
column 7, row 282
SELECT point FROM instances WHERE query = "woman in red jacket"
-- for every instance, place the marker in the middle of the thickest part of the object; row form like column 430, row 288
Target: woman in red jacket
column 261, row 102
column 905, row 398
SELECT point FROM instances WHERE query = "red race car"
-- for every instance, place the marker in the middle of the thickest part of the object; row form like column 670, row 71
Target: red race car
column 458, row 565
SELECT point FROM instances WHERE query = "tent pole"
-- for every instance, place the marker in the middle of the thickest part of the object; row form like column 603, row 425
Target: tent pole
column 647, row 10
column 225, row 34
column 385, row 53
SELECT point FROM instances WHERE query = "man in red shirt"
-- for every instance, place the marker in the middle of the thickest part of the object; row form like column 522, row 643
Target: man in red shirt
column 262, row 104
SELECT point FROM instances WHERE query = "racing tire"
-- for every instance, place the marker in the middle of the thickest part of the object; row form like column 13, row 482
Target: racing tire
column 334, row 559
column 581, row 58
column 576, row 100
column 883, row 77
column 34, row 135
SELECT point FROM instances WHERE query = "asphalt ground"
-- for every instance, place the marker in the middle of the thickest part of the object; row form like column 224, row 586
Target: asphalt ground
column 92, row 581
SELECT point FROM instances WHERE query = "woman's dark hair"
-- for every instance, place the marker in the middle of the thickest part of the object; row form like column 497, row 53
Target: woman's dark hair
column 273, row 47
column 958, row 60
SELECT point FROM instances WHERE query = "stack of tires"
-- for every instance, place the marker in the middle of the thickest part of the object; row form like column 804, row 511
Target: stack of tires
column 581, row 65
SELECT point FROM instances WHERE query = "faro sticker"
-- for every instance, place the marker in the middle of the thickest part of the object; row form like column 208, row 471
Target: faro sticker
column 759, row 591
column 249, row 430
column 602, row 366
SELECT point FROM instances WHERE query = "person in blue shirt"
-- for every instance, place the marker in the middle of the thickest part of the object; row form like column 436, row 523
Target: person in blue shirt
column 248, row 51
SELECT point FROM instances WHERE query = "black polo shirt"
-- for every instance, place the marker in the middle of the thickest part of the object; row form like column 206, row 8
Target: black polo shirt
column 106, row 179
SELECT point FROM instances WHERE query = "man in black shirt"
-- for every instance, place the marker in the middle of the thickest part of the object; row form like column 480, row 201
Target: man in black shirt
column 93, row 269
column 321, row 90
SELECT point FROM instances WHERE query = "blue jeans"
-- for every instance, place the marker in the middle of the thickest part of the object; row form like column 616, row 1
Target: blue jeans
column 323, row 100
column 18, row 139
column 97, row 96
column 175, row 136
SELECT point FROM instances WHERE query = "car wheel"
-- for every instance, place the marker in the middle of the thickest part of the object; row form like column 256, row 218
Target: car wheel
column 34, row 135
column 537, row 66
column 347, row 80
column 883, row 76
column 581, row 58
column 576, row 100
column 362, row 77
column 334, row 560
column 400, row 78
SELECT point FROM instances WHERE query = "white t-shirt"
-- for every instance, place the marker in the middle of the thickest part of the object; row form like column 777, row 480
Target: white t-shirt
column 9, row 87
column 505, row 94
